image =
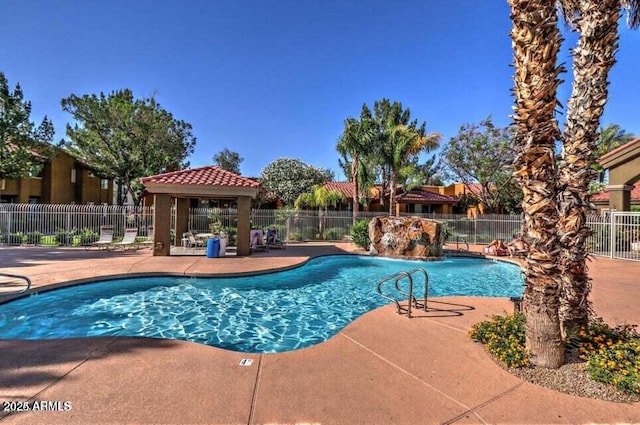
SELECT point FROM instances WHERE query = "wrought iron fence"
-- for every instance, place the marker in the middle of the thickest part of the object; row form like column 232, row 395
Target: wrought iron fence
column 615, row 234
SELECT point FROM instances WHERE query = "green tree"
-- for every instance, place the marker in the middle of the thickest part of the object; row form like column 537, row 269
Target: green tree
column 288, row 178
column 396, row 143
column 483, row 154
column 354, row 146
column 126, row 138
column 23, row 145
column 320, row 197
column 228, row 160
column 596, row 22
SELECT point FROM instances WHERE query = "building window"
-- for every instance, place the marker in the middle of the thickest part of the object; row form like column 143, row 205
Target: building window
column 104, row 184
column 73, row 175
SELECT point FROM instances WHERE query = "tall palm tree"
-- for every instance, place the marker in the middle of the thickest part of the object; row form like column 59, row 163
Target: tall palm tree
column 353, row 145
column 404, row 144
column 597, row 24
column 536, row 41
column 396, row 143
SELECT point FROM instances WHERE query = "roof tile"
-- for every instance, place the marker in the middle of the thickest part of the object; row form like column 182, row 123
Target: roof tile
column 604, row 195
column 202, row 176
column 418, row 195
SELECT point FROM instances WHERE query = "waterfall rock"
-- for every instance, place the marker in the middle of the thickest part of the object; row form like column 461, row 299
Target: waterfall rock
column 406, row 237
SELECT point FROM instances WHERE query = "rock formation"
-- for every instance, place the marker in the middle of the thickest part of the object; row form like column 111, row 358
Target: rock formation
column 406, row 237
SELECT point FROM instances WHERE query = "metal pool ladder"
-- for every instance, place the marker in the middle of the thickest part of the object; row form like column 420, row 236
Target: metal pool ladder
column 12, row 280
column 396, row 279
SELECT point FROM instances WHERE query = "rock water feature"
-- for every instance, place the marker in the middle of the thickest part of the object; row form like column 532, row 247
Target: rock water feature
column 412, row 237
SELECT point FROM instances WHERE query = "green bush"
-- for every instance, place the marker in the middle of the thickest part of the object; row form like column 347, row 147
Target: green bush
column 612, row 354
column 33, row 238
column 504, row 338
column 63, row 237
column 334, row 233
column 87, row 236
column 360, row 234
column 617, row 364
column 232, row 234
column 15, row 238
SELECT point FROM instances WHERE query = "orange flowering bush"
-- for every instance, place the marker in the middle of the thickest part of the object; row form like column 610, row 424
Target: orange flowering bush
column 504, row 337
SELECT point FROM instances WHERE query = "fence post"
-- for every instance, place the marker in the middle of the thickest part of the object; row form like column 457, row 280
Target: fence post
column 612, row 233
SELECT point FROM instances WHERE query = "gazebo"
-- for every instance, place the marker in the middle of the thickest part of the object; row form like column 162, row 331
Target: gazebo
column 623, row 164
column 203, row 182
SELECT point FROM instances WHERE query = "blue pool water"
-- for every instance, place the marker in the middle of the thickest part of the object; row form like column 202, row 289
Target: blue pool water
column 260, row 314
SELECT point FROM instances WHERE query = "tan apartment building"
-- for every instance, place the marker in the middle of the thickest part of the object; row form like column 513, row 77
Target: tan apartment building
column 64, row 180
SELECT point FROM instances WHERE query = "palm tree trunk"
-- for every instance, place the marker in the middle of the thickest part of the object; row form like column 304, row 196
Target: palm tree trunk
column 593, row 58
column 536, row 42
column 356, row 196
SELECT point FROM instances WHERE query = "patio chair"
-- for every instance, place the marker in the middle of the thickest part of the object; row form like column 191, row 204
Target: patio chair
column 190, row 241
column 129, row 239
column 273, row 241
column 148, row 241
column 257, row 241
column 106, row 238
column 517, row 248
column 497, row 248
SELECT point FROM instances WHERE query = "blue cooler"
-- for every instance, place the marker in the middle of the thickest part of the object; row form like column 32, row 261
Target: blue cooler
column 213, row 247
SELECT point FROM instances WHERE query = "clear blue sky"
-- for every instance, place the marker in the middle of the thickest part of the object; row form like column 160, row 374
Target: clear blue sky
column 272, row 79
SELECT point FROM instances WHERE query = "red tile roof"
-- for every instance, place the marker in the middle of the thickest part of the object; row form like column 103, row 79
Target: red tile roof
column 418, row 195
column 202, row 176
column 345, row 187
column 604, row 195
column 626, row 146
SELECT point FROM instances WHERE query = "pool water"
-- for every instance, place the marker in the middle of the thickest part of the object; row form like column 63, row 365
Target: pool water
column 265, row 313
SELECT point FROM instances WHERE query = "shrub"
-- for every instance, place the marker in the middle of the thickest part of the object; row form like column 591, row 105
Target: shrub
column 63, row 237
column 33, row 238
column 87, row 236
column 504, row 338
column 334, row 233
column 617, row 364
column 15, row 238
column 360, row 234
column 612, row 354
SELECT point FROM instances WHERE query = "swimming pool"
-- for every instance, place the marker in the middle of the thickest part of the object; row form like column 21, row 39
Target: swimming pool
column 265, row 313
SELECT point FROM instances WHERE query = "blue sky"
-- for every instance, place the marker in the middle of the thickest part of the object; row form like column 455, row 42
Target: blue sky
column 271, row 79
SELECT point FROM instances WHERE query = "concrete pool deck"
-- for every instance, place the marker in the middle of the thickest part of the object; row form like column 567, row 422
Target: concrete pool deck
column 382, row 368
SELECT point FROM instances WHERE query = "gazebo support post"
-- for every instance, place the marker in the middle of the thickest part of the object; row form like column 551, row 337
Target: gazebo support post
column 182, row 219
column 244, row 225
column 162, row 225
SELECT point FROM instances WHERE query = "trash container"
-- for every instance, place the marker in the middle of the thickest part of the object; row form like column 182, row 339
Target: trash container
column 224, row 241
column 213, row 247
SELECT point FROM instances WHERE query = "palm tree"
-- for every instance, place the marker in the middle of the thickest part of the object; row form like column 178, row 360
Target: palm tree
column 597, row 24
column 404, row 144
column 320, row 197
column 395, row 145
column 353, row 145
column 536, row 41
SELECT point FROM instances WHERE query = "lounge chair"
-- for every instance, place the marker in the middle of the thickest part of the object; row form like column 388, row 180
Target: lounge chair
column 517, row 248
column 106, row 238
column 129, row 239
column 148, row 241
column 273, row 241
column 497, row 248
column 257, row 241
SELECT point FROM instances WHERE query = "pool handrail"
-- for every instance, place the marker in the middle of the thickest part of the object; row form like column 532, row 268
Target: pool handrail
column 397, row 277
column 17, row 276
